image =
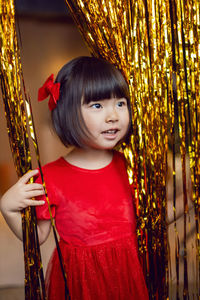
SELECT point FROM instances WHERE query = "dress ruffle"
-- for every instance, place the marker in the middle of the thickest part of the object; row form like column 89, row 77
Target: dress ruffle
column 109, row 271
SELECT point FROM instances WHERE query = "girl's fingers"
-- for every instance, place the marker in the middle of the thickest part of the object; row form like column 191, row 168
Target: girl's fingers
column 26, row 177
column 34, row 202
column 33, row 186
column 34, row 193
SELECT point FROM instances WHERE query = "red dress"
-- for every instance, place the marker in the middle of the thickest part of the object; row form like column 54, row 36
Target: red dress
column 94, row 216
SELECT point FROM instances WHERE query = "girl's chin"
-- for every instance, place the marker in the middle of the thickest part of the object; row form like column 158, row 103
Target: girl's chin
column 103, row 145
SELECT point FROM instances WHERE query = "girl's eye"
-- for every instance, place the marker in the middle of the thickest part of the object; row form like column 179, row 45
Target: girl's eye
column 121, row 103
column 96, row 105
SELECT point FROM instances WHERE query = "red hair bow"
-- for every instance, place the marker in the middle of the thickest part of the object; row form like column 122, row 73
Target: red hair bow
column 52, row 89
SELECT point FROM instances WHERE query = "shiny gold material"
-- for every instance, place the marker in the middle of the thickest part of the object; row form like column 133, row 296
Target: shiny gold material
column 156, row 45
column 13, row 97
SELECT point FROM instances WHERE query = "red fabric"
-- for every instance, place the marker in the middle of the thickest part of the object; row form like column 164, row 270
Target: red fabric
column 109, row 271
column 95, row 219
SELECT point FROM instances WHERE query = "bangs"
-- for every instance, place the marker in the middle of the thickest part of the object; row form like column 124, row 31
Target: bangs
column 102, row 81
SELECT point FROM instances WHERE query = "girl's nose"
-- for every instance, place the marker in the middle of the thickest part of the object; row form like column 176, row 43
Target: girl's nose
column 112, row 116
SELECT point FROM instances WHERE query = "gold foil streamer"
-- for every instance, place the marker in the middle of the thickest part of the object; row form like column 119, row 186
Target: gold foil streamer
column 156, row 44
column 35, row 143
column 185, row 17
column 11, row 79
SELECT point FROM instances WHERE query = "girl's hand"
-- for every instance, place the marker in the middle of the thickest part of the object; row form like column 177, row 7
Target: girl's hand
column 20, row 195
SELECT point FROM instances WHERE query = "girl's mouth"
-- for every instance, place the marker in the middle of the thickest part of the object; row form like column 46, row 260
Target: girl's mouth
column 110, row 134
column 110, row 131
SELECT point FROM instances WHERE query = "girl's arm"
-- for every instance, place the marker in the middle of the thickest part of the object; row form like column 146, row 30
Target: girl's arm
column 18, row 197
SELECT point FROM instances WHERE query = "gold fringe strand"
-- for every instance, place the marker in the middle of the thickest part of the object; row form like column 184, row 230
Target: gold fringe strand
column 11, row 79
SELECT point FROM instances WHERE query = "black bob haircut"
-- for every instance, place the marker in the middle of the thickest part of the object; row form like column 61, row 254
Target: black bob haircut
column 82, row 80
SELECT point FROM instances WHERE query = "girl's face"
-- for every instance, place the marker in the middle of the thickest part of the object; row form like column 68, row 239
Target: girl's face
column 107, row 121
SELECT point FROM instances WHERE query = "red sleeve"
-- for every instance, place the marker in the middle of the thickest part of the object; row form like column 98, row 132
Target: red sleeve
column 42, row 211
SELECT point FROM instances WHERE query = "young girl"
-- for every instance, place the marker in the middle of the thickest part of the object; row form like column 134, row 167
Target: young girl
column 88, row 189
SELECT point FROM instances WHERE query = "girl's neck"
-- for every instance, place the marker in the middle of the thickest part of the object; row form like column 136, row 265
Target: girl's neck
column 89, row 158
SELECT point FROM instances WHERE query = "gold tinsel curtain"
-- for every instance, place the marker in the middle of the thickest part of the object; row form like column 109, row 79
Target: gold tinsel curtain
column 18, row 114
column 16, row 102
column 156, row 44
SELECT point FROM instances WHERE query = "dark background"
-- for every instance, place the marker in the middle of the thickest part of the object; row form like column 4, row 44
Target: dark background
column 41, row 7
